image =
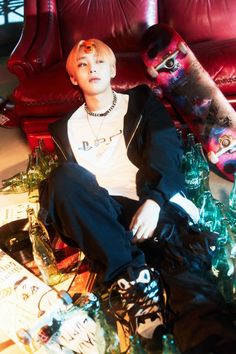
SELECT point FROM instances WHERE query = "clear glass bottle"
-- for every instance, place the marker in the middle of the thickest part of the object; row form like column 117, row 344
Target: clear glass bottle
column 15, row 184
column 47, row 161
column 90, row 303
column 42, row 251
column 32, row 173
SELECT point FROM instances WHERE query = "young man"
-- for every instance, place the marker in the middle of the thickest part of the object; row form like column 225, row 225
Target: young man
column 119, row 187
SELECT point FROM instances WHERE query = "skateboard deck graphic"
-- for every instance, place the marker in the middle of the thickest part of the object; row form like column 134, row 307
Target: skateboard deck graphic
column 182, row 79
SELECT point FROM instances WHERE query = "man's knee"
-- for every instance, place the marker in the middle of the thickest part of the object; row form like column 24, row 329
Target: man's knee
column 69, row 174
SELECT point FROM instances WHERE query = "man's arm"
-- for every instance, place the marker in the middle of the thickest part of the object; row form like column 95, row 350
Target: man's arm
column 160, row 176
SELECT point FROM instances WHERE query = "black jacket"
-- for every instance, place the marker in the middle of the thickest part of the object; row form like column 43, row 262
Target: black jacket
column 152, row 145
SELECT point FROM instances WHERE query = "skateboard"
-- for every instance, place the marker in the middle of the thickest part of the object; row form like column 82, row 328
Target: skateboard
column 186, row 84
column 42, row 319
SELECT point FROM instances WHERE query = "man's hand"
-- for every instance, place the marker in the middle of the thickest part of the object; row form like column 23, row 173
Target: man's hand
column 144, row 221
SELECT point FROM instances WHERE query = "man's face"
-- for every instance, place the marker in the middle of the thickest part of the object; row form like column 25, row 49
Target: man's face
column 92, row 74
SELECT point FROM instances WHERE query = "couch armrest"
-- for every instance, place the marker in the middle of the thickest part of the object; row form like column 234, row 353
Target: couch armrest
column 17, row 62
column 44, row 46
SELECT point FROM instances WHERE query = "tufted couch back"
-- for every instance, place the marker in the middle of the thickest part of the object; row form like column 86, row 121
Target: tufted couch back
column 118, row 23
column 200, row 20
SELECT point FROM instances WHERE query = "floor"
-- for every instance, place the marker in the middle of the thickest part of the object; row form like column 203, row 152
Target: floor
column 14, row 148
column 14, row 152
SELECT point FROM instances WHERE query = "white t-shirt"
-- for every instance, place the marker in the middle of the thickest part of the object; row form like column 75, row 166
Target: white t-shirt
column 98, row 145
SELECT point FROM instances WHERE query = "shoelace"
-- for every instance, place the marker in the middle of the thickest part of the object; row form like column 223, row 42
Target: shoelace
column 141, row 299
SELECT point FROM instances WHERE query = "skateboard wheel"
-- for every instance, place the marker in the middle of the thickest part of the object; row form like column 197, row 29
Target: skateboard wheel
column 212, row 157
column 65, row 297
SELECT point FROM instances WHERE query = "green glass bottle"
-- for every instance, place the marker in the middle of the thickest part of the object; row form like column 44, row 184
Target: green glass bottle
column 169, row 346
column 232, row 200
column 220, row 216
column 182, row 144
column 203, row 167
column 229, row 237
column 40, row 164
column 208, row 212
column 223, row 269
column 32, row 173
column 46, row 161
column 135, row 346
column 19, row 183
column 223, row 261
column 191, row 176
column 42, row 252
column 190, row 142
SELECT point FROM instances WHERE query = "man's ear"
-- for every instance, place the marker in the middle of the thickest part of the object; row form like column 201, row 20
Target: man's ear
column 113, row 71
column 73, row 80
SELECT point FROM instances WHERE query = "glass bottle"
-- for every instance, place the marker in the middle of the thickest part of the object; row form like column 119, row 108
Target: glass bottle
column 41, row 161
column 190, row 142
column 223, row 237
column 182, row 144
column 42, row 251
column 203, row 167
column 220, row 216
column 232, row 199
column 90, row 303
column 20, row 182
column 40, row 164
column 31, row 173
column 135, row 345
column 169, row 346
column 191, row 176
column 223, row 269
column 208, row 212
column 15, row 184
column 227, row 231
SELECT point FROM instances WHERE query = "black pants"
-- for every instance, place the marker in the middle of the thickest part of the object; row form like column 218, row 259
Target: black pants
column 87, row 217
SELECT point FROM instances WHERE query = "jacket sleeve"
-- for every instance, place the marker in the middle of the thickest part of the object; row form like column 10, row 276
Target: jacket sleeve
column 58, row 131
column 159, row 176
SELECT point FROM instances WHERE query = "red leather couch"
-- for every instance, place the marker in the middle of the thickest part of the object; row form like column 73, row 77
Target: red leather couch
column 52, row 27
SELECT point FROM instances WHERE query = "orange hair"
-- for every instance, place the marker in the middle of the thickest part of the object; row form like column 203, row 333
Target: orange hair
column 102, row 50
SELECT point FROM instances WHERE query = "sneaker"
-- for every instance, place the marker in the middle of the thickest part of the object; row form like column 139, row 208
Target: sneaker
column 142, row 298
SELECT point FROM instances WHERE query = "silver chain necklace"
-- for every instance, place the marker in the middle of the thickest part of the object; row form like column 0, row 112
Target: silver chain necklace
column 103, row 115
column 96, row 135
